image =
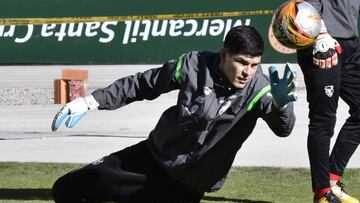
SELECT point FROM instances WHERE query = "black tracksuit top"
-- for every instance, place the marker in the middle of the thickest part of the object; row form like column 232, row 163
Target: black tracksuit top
column 196, row 140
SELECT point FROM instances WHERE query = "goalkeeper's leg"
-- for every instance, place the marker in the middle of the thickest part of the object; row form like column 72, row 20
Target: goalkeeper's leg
column 130, row 175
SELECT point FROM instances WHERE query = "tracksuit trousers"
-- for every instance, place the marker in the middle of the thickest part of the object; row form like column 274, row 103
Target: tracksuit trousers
column 324, row 87
column 129, row 175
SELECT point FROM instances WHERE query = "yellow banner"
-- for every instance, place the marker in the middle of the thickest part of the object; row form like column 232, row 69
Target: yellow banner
column 41, row 21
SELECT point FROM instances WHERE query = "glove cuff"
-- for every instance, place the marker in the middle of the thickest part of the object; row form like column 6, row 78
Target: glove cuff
column 277, row 106
column 91, row 102
column 323, row 28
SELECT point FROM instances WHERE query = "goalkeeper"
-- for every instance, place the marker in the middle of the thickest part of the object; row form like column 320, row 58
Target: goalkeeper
column 193, row 145
column 331, row 70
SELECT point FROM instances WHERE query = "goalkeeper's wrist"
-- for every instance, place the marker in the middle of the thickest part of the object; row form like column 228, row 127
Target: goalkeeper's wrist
column 323, row 29
column 277, row 106
column 91, row 102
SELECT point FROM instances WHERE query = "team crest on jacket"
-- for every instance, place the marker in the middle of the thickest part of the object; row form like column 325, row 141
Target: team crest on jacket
column 329, row 90
column 207, row 90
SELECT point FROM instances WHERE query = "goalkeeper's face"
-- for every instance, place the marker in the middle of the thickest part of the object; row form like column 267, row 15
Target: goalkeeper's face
column 238, row 68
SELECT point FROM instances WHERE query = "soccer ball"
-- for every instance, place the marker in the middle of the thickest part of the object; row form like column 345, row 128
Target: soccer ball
column 296, row 24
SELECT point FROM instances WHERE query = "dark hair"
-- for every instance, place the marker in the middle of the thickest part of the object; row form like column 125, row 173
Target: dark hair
column 245, row 40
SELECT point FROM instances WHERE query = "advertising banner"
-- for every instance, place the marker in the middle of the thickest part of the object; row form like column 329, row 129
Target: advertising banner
column 124, row 32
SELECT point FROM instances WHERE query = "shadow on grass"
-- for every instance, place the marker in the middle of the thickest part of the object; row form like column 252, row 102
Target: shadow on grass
column 215, row 199
column 25, row 194
column 45, row 194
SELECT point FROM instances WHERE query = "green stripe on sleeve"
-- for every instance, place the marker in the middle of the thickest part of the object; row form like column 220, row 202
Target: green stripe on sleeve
column 179, row 64
column 257, row 97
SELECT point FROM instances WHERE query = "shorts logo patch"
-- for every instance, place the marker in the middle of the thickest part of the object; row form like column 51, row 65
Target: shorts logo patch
column 329, row 90
column 207, row 90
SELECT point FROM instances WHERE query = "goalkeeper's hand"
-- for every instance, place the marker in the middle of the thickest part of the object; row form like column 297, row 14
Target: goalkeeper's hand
column 283, row 89
column 326, row 49
column 75, row 110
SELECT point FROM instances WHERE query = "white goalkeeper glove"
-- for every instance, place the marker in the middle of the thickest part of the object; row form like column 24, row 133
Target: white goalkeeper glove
column 75, row 109
column 326, row 49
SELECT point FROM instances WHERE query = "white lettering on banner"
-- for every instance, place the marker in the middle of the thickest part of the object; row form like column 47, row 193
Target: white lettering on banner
column 27, row 36
column 175, row 28
column 75, row 33
column 76, row 30
column 203, row 30
column 155, row 29
column 193, row 29
column 145, row 33
column 9, row 33
column 62, row 32
column 90, row 30
column 216, row 27
column 110, row 33
column 135, row 31
column 45, row 30
column 127, row 31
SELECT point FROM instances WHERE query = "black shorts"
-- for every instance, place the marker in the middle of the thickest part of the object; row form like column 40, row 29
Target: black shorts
column 129, row 175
